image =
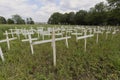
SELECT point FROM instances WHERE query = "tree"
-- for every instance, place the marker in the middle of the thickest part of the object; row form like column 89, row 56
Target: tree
column 100, row 14
column 71, row 18
column 114, row 4
column 114, row 12
column 80, row 17
column 2, row 20
column 18, row 19
column 55, row 18
column 10, row 21
column 97, row 15
column 29, row 21
column 63, row 18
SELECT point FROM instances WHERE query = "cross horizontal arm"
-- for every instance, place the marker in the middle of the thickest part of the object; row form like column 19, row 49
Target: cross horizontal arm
column 24, row 40
column 76, row 33
column 1, row 41
column 46, row 41
column 82, row 37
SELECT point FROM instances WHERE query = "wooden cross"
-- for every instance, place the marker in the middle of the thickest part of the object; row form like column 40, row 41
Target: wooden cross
column 12, row 32
column 1, row 55
column 53, row 40
column 7, row 40
column 85, row 38
column 98, row 32
column 76, row 34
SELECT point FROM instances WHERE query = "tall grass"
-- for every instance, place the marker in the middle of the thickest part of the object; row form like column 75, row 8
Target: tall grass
column 100, row 62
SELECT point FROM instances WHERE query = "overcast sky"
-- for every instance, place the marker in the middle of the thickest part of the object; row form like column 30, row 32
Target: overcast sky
column 40, row 10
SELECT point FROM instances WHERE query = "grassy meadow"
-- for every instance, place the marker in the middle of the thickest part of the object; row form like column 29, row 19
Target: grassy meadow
column 100, row 62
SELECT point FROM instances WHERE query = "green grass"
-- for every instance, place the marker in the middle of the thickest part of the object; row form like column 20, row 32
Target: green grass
column 100, row 62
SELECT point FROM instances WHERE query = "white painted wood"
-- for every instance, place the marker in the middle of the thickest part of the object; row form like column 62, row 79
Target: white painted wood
column 7, row 40
column 46, row 41
column 90, row 31
column 54, row 48
column 85, row 38
column 97, row 38
column 18, row 32
column 25, row 40
column 1, row 55
column 76, row 34
column 66, row 38
column 113, row 33
column 12, row 32
column 53, row 40
column 1, row 41
column 30, row 41
column 39, row 32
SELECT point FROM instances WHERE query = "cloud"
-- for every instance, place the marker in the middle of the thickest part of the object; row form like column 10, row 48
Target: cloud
column 78, row 4
column 45, row 11
column 11, row 7
column 40, row 10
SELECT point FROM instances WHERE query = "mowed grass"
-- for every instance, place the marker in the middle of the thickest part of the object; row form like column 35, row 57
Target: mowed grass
column 100, row 62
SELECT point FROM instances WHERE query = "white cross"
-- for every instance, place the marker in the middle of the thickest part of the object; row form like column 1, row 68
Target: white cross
column 98, row 32
column 1, row 55
column 85, row 38
column 12, row 32
column 53, row 40
column 76, row 34
column 7, row 40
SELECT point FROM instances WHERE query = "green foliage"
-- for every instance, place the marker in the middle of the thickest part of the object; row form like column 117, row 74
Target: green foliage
column 80, row 17
column 113, row 13
column 29, row 21
column 114, row 4
column 10, row 21
column 2, row 20
column 55, row 18
column 100, row 14
column 18, row 19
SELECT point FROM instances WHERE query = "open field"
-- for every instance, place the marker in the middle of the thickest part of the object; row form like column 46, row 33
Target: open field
column 100, row 62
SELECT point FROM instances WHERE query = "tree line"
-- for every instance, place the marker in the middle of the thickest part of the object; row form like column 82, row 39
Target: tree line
column 16, row 19
column 101, row 14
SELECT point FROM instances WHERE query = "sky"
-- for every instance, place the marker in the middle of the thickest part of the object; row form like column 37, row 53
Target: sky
column 41, row 10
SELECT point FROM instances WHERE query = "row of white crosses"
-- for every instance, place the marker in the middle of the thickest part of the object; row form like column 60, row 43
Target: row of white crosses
column 8, row 43
column 9, row 39
column 69, row 30
column 51, row 32
column 53, row 40
column 112, row 31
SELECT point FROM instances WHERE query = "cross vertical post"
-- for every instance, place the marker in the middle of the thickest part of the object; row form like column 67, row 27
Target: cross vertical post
column 7, row 38
column 1, row 55
column 85, row 32
column 30, row 41
column 54, row 48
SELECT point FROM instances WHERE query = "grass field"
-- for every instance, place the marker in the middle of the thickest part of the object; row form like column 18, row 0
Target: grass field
column 100, row 62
